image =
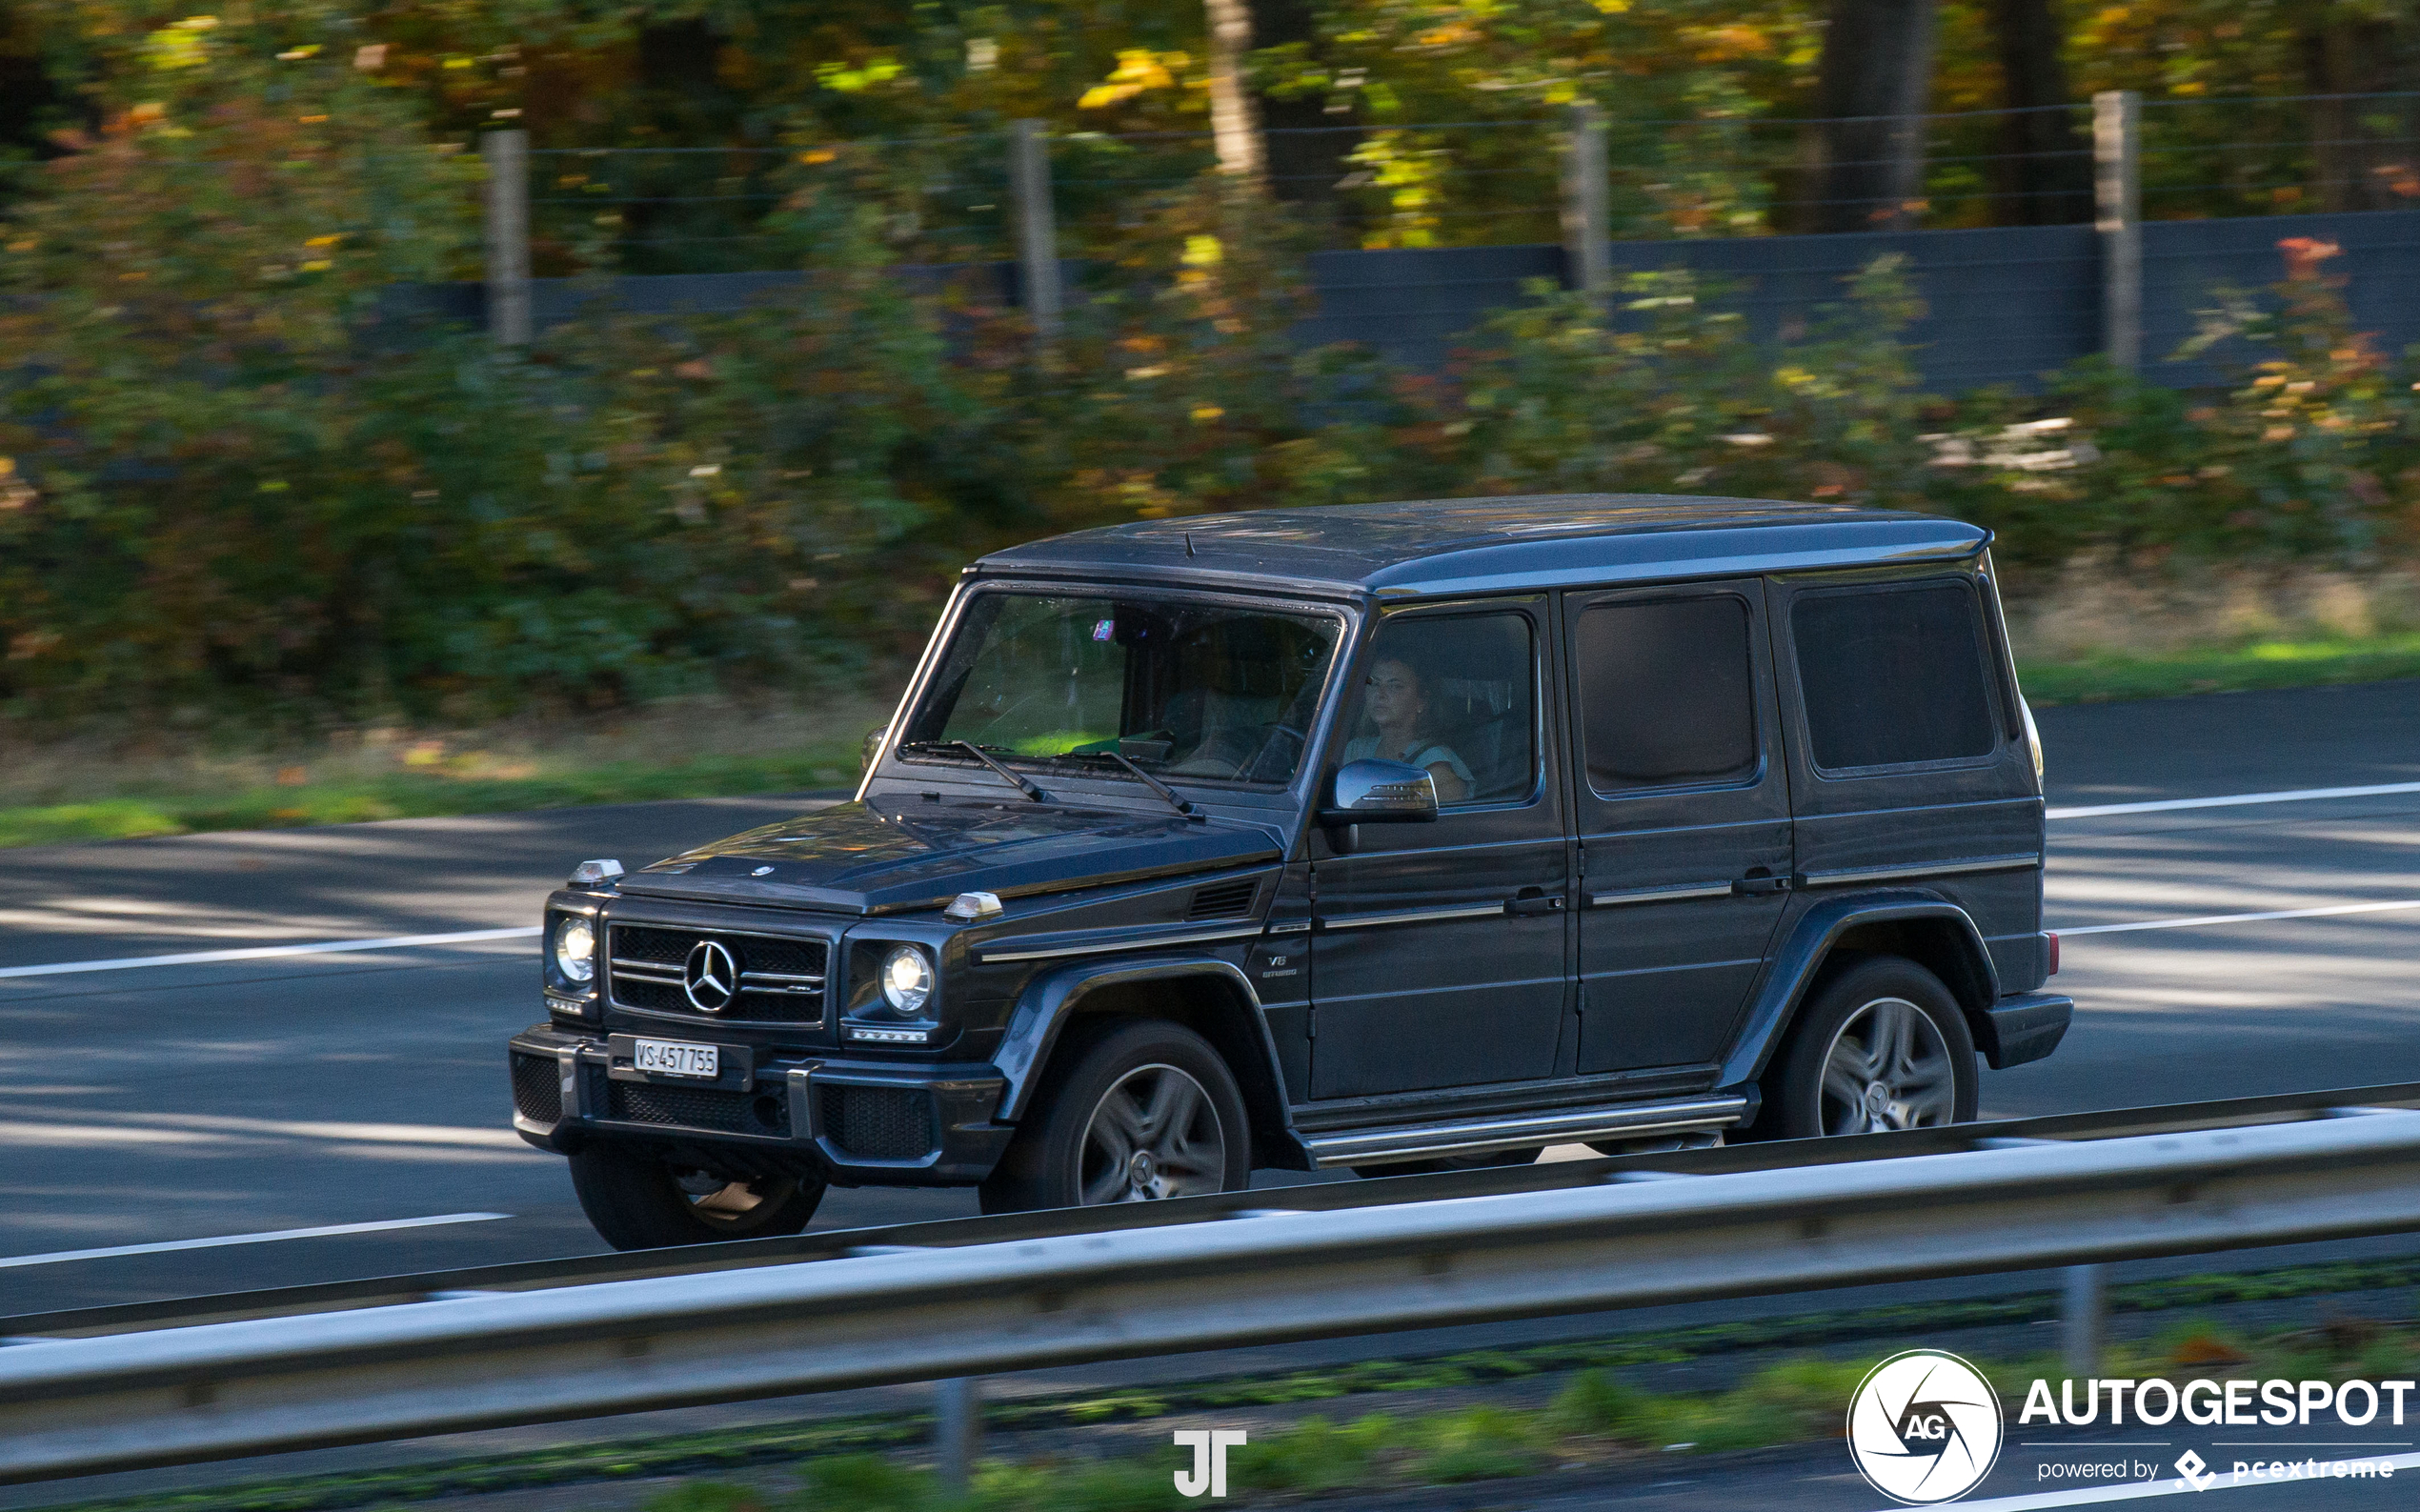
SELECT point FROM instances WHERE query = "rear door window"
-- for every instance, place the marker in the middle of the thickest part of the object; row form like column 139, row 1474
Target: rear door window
column 1667, row 693
column 1894, row 674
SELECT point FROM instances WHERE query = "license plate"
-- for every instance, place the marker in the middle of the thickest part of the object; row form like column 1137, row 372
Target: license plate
column 668, row 1057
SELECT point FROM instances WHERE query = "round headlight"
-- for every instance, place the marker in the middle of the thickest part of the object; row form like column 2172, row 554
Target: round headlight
column 907, row 979
column 575, row 949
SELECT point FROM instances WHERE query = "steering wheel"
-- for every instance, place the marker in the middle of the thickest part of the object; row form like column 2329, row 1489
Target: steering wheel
column 1282, row 744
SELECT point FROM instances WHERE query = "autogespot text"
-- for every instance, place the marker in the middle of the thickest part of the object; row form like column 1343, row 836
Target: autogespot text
column 2216, row 1403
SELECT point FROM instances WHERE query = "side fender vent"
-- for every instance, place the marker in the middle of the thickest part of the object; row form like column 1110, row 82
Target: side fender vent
column 1223, row 901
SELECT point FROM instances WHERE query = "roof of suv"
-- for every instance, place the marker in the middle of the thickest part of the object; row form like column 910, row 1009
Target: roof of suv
column 1457, row 546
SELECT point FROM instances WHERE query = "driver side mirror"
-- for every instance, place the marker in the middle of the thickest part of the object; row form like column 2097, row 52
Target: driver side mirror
column 1373, row 791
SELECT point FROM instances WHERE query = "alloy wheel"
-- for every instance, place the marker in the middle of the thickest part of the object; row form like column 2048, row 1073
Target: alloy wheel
column 1154, row 1134
column 1888, row 1068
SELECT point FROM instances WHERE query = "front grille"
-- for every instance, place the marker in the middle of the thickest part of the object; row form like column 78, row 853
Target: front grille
column 1223, row 901
column 879, row 1123
column 537, row 1089
column 698, row 1108
column 781, row 980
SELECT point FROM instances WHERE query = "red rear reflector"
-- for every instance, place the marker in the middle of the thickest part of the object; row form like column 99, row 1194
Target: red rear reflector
column 2054, row 954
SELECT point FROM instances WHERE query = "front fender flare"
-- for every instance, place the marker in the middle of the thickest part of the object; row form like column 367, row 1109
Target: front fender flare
column 1052, row 998
column 1796, row 964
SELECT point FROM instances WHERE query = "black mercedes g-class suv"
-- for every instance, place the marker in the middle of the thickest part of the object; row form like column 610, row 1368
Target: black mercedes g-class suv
column 1388, row 837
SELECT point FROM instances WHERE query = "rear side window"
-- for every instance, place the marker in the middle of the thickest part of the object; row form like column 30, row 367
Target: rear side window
column 1893, row 674
column 1667, row 693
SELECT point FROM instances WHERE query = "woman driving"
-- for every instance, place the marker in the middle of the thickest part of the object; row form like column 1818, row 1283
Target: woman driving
column 1397, row 702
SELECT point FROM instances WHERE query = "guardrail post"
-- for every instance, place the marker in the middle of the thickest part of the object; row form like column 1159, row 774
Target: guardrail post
column 2085, row 1320
column 2117, row 192
column 508, row 235
column 957, row 1431
column 1037, row 231
column 1587, row 214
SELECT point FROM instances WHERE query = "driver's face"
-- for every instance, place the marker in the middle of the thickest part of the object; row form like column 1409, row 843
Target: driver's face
column 1394, row 697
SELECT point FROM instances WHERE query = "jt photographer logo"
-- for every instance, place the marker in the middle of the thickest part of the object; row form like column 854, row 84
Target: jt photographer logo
column 1925, row 1427
column 1209, row 1447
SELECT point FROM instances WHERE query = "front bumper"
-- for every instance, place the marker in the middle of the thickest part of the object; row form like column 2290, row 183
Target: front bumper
column 852, row 1123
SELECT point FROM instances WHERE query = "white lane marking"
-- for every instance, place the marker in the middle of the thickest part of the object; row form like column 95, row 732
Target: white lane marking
column 2238, row 919
column 473, row 936
column 324, row 1231
column 198, row 1128
column 324, row 947
column 2139, row 1490
column 2234, row 800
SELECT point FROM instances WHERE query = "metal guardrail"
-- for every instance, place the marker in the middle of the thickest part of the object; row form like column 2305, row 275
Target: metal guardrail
column 1629, row 1233
column 1321, row 1197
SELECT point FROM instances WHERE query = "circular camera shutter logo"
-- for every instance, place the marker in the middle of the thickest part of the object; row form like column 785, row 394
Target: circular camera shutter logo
column 1925, row 1427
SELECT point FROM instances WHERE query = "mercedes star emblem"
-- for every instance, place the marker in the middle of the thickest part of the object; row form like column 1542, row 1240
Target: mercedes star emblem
column 712, row 976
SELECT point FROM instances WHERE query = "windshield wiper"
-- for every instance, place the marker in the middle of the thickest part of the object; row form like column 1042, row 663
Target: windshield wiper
column 1024, row 785
column 1182, row 806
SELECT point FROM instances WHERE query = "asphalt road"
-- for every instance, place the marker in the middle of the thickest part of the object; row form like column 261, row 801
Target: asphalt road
column 233, row 1097
column 165, row 1104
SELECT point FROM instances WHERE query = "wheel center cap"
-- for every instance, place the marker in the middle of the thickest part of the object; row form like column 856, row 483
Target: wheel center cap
column 1877, row 1097
column 1140, row 1168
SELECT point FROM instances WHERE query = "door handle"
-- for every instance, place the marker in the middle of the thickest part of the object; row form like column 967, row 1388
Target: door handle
column 1532, row 902
column 1762, row 884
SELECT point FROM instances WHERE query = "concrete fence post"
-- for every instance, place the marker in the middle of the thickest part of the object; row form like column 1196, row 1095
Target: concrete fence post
column 1587, row 213
column 508, row 235
column 2084, row 1320
column 1037, row 231
column 2117, row 179
column 957, row 1431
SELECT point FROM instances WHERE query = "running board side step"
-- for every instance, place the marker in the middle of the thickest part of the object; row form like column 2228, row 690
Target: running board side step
column 1627, row 1121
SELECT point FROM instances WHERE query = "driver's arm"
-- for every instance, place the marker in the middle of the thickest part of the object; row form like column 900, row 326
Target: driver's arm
column 1450, row 788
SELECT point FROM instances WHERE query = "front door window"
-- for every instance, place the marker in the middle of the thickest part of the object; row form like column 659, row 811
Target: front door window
column 1441, row 959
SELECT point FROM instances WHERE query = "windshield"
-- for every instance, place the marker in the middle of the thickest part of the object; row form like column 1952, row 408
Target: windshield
column 1186, row 691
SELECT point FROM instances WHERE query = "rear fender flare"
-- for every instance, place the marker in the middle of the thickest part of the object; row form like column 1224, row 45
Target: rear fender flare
column 1970, row 977
column 1056, row 998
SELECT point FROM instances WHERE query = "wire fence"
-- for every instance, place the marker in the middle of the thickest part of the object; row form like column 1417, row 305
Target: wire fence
column 945, row 198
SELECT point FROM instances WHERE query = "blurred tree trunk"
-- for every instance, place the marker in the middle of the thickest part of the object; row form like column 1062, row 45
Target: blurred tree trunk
column 1235, row 125
column 1306, row 153
column 30, row 105
column 1871, row 88
column 2038, row 186
column 2350, row 50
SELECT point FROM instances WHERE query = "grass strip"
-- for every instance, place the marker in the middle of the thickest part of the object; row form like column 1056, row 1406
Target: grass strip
column 412, row 794
column 416, row 794
column 722, row 1451
column 2266, row 664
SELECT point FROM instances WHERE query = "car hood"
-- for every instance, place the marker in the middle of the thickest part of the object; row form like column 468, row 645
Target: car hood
column 858, row 859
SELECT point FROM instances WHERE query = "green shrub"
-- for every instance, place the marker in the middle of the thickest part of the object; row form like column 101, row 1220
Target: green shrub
column 708, row 1496
column 1594, row 1403
column 866, row 1482
column 232, row 478
column 1477, row 1443
column 1314, row 1455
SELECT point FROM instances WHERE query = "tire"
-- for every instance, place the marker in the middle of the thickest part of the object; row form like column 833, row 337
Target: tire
column 638, row 1202
column 1451, row 1162
column 1132, row 1111
column 1830, row 1082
